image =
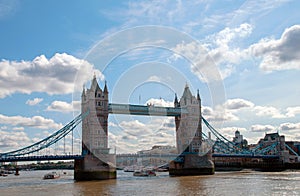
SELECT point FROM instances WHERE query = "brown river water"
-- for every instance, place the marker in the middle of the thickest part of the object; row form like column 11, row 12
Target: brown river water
column 244, row 182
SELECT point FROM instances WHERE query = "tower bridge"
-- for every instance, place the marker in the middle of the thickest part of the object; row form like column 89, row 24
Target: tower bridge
column 187, row 113
column 95, row 161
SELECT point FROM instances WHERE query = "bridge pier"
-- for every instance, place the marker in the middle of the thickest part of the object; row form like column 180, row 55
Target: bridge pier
column 92, row 168
column 192, row 164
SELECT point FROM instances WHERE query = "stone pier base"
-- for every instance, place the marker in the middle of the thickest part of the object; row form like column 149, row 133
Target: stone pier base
column 91, row 168
column 191, row 164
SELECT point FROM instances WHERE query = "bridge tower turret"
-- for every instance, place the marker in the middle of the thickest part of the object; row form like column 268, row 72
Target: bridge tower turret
column 189, row 138
column 94, row 165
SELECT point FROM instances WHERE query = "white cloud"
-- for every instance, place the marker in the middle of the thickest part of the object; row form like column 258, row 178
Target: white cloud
column 289, row 126
column 218, row 114
column 35, row 101
column 262, row 128
column 135, row 128
column 111, row 124
column 154, row 79
column 53, row 76
column 155, row 12
column 64, row 107
column 268, row 111
column 215, row 56
column 235, row 104
column 137, row 135
column 18, row 129
column 280, row 54
column 35, row 121
column 233, row 129
column 293, row 111
column 13, row 140
column 219, row 47
column 160, row 102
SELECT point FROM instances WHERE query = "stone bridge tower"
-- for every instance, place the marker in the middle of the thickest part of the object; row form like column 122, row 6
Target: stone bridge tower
column 97, row 163
column 192, row 160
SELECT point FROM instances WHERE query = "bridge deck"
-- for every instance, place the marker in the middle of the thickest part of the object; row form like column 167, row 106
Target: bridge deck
column 40, row 158
column 247, row 156
column 171, row 156
column 144, row 110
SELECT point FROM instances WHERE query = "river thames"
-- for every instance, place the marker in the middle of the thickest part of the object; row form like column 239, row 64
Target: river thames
column 222, row 183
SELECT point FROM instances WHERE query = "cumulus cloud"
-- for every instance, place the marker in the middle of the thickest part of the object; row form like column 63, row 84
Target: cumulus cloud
column 218, row 114
column 13, row 140
column 230, row 109
column 203, row 67
column 279, row 54
column 235, row 104
column 262, row 128
column 289, row 126
column 35, row 121
column 293, row 111
column 137, row 135
column 53, row 76
column 64, row 107
column 215, row 57
column 268, row 111
column 34, row 101
column 222, row 52
column 262, row 111
column 160, row 102
column 233, row 129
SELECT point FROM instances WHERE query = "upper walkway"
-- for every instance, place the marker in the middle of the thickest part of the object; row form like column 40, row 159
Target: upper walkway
column 149, row 110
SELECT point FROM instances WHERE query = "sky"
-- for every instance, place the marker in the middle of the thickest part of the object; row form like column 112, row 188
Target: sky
column 242, row 56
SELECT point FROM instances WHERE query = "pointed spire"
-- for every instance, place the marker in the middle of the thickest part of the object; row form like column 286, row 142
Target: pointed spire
column 186, row 85
column 105, row 88
column 198, row 94
column 83, row 90
column 187, row 93
column 176, row 99
column 176, row 102
column 94, row 81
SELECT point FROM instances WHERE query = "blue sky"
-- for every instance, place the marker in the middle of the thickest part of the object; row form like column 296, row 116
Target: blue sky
column 147, row 51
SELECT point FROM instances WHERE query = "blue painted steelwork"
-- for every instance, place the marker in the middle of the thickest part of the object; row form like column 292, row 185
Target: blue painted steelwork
column 222, row 144
column 225, row 146
column 247, row 156
column 48, row 141
column 40, row 158
column 291, row 150
column 149, row 110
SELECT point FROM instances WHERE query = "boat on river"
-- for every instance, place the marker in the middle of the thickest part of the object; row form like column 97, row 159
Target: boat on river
column 52, row 175
column 144, row 173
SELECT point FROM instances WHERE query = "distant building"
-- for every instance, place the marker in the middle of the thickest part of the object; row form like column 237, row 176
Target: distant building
column 278, row 140
column 239, row 141
column 157, row 149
